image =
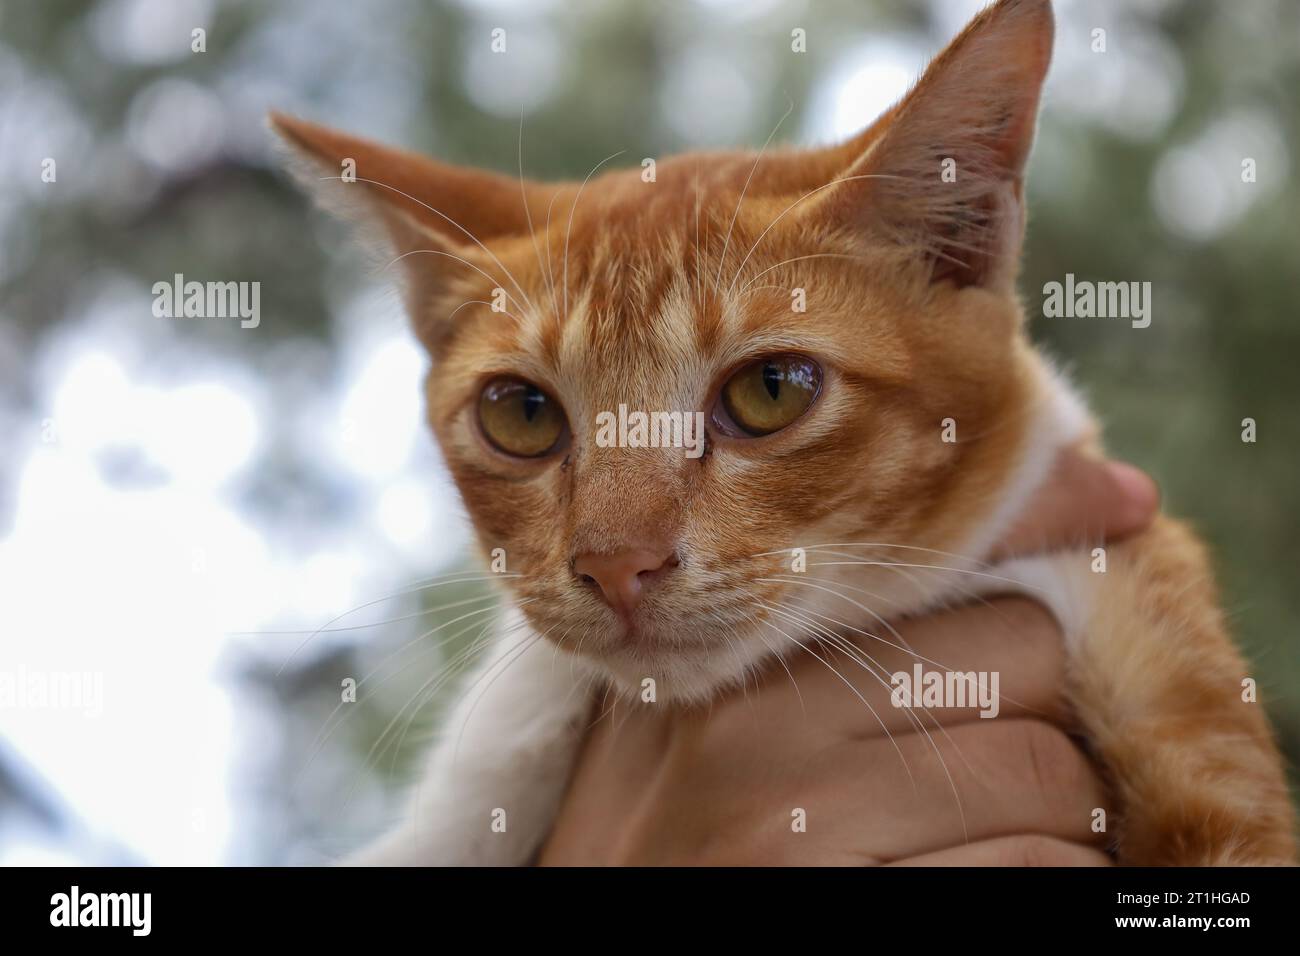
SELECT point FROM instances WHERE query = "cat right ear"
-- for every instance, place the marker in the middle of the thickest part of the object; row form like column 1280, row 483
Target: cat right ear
column 430, row 217
column 940, row 175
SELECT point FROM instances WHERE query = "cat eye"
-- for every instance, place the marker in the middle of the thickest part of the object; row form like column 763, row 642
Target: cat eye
column 767, row 395
column 519, row 419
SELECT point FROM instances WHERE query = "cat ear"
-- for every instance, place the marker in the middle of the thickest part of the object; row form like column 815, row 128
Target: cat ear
column 941, row 173
column 431, row 217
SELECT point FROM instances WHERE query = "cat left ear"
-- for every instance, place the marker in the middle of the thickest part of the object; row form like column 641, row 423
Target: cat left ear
column 431, row 217
column 941, row 174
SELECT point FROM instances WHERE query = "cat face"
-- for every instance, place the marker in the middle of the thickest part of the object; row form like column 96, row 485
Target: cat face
column 841, row 321
column 862, row 462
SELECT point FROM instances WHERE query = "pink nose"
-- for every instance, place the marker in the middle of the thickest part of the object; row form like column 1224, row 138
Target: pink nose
column 622, row 575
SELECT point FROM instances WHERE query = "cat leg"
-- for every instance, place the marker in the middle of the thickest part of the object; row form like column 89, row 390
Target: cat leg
column 1159, row 691
column 497, row 775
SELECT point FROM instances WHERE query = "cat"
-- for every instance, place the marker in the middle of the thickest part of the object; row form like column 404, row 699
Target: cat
column 546, row 305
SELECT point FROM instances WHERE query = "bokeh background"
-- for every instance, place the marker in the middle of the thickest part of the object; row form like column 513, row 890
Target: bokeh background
column 183, row 502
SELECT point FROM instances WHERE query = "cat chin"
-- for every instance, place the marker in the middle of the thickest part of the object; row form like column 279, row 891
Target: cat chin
column 682, row 676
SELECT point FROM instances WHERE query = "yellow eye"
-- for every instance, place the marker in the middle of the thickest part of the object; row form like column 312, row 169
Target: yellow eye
column 767, row 395
column 519, row 418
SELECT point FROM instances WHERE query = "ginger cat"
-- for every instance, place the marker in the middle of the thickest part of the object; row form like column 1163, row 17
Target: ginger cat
column 546, row 306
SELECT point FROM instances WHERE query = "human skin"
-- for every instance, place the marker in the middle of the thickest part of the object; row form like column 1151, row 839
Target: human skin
column 722, row 785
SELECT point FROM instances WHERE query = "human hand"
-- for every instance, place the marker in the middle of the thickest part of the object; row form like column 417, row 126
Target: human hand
column 726, row 785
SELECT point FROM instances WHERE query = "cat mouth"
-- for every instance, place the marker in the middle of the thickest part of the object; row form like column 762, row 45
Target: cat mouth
column 635, row 636
column 627, row 639
column 662, row 628
column 629, row 636
column 649, row 641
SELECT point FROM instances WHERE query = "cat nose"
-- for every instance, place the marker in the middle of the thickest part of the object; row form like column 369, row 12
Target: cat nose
column 621, row 576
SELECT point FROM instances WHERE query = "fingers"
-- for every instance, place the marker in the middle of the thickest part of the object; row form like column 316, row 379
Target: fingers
column 1085, row 498
column 976, row 782
column 1020, row 850
column 1012, row 645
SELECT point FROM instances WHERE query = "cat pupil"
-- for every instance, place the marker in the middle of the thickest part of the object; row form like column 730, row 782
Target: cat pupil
column 532, row 402
column 772, row 379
